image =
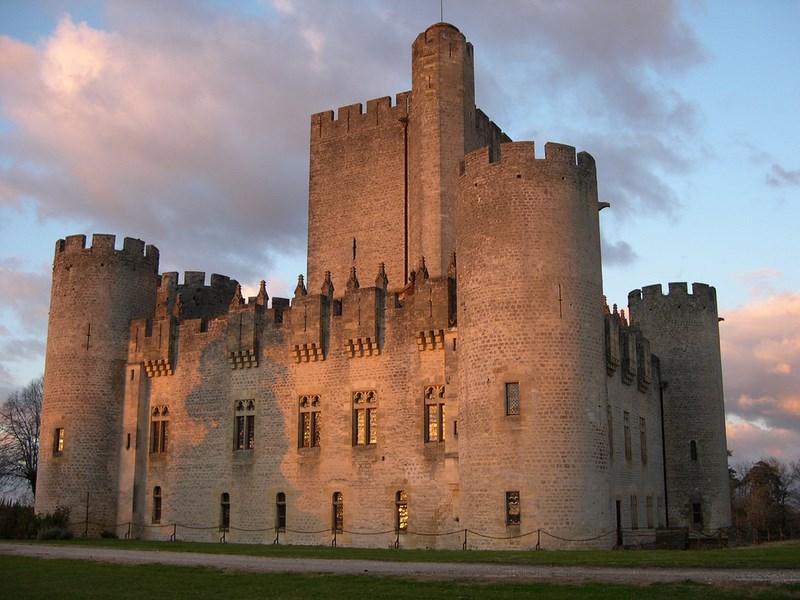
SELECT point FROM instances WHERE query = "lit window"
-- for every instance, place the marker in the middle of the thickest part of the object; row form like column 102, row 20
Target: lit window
column 159, row 429
column 643, row 439
column 401, row 511
column 245, row 425
column 634, row 512
column 157, row 504
column 626, row 422
column 280, row 511
column 58, row 440
column 224, row 512
column 338, row 512
column 512, row 398
column 310, row 421
column 365, row 418
column 512, row 508
column 434, row 413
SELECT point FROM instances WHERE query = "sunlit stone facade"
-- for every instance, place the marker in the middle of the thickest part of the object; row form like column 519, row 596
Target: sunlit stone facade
column 449, row 370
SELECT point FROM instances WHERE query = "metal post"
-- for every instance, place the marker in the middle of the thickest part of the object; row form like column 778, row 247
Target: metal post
column 538, row 539
column 277, row 539
column 174, row 535
column 86, row 524
column 464, row 545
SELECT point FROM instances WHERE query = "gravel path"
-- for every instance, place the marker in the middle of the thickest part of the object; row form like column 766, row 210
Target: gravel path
column 409, row 569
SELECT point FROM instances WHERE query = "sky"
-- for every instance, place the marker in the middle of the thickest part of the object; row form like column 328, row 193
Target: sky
column 186, row 124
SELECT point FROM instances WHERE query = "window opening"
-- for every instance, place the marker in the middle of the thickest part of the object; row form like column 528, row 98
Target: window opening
column 157, row 504
column 365, row 418
column 512, row 398
column 280, row 505
column 245, row 425
column 512, row 508
column 225, row 512
column 434, row 413
column 338, row 512
column 310, row 421
column 401, row 511
column 159, row 429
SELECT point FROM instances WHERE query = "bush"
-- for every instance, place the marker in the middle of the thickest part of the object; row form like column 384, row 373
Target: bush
column 17, row 521
column 108, row 534
column 54, row 533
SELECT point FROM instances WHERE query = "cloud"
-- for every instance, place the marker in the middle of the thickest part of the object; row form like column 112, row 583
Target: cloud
column 751, row 442
column 26, row 295
column 618, row 253
column 779, row 177
column 761, row 350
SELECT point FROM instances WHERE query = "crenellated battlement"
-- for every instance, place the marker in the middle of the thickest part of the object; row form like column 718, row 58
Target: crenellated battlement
column 106, row 244
column 522, row 156
column 380, row 111
column 677, row 292
column 193, row 299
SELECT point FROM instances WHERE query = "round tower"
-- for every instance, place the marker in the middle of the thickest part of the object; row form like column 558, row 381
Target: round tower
column 683, row 330
column 532, row 452
column 440, row 131
column 96, row 292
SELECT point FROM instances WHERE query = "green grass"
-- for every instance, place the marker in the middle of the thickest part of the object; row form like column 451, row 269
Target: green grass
column 31, row 578
column 776, row 555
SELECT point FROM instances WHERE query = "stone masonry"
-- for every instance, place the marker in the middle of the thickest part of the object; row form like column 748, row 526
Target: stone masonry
column 449, row 363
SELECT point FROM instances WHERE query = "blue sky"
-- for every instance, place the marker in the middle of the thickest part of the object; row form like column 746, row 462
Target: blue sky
column 186, row 124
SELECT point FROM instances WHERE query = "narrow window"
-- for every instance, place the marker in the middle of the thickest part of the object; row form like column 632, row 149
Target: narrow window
column 434, row 413
column 627, row 429
column 401, row 511
column 634, row 512
column 649, row 501
column 159, row 429
column 643, row 439
column 58, row 440
column 365, row 418
column 338, row 512
column 697, row 515
column 157, row 504
column 660, row 510
column 280, row 511
column 693, row 450
column 512, row 398
column 310, row 422
column 224, row 512
column 610, row 419
column 244, row 436
column 512, row 508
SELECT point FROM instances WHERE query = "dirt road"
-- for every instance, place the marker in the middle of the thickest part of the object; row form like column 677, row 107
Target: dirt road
column 405, row 569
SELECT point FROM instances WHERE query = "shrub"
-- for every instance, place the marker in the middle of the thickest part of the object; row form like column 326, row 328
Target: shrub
column 17, row 520
column 54, row 533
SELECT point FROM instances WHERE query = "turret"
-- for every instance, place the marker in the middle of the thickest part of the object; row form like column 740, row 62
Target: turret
column 531, row 343
column 96, row 292
column 683, row 331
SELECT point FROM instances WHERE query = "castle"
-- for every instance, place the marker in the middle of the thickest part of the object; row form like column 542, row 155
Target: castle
column 449, row 367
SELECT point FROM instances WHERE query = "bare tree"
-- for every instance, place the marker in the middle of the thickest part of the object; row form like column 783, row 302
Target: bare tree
column 19, row 436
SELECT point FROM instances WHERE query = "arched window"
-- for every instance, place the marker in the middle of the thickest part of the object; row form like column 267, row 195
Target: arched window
column 280, row 513
column 401, row 511
column 338, row 512
column 224, row 512
column 157, row 504
column 693, row 450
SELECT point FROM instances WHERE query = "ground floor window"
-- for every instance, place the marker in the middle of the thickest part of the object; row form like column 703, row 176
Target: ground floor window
column 401, row 511
column 512, row 508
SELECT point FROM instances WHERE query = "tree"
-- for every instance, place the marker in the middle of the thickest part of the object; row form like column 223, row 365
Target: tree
column 764, row 495
column 19, row 436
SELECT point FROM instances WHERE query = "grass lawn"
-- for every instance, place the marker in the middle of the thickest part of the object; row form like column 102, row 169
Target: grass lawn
column 31, row 578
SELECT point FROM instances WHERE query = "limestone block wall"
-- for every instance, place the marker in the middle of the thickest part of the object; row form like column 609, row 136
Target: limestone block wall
column 357, row 183
column 96, row 292
column 684, row 333
column 530, row 313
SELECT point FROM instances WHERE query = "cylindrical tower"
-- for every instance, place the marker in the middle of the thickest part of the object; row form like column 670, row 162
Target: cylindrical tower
column 441, row 130
column 683, row 330
column 531, row 351
column 96, row 292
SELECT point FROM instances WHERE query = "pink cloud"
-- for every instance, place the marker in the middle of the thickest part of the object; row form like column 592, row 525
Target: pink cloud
column 761, row 363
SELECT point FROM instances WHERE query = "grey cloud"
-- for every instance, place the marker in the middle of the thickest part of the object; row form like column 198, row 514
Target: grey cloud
column 779, row 177
column 618, row 253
